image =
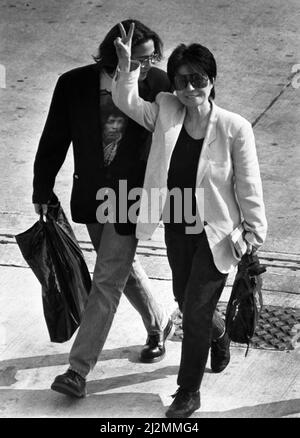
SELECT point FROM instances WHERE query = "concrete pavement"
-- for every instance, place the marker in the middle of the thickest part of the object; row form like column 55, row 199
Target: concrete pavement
column 256, row 45
column 265, row 384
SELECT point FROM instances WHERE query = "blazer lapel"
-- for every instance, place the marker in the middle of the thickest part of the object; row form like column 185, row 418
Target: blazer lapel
column 90, row 108
column 210, row 137
column 172, row 134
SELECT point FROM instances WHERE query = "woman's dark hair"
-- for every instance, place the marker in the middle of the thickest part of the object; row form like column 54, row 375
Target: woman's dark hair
column 107, row 57
column 198, row 57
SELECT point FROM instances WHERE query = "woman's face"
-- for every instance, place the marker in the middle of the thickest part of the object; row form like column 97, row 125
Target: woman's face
column 196, row 89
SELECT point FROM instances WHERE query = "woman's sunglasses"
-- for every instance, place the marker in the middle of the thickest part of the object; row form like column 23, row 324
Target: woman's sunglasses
column 195, row 79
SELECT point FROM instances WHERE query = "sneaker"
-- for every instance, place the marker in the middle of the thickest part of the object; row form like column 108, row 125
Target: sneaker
column 220, row 354
column 154, row 350
column 70, row 383
column 184, row 404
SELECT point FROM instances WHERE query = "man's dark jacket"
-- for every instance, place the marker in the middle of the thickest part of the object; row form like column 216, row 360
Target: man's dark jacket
column 74, row 116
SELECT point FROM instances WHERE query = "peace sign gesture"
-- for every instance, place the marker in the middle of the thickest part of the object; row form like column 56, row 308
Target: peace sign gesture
column 123, row 47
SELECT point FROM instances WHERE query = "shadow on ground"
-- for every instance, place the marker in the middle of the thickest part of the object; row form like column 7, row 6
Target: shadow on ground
column 19, row 402
column 46, row 403
column 9, row 368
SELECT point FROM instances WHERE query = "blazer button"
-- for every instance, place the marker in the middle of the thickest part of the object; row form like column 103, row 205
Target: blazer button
column 76, row 176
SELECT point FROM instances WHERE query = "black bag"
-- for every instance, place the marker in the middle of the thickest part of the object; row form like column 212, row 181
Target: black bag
column 51, row 250
column 245, row 303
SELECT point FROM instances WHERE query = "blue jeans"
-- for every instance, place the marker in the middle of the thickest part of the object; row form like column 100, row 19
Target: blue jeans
column 116, row 270
column 197, row 286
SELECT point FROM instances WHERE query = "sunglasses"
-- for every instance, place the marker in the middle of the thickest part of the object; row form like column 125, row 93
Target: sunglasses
column 195, row 79
column 146, row 60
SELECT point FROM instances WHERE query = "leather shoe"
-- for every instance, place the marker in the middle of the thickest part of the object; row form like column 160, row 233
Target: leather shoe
column 154, row 350
column 70, row 383
column 184, row 404
column 220, row 354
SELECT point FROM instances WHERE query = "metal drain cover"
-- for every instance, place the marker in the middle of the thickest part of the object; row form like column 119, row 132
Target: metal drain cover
column 274, row 328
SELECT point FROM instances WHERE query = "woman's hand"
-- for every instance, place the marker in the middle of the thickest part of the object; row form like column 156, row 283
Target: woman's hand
column 251, row 249
column 123, row 47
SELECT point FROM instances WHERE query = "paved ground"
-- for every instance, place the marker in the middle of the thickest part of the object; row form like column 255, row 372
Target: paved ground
column 256, row 46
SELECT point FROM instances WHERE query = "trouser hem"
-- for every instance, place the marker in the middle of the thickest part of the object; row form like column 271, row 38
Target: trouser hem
column 83, row 375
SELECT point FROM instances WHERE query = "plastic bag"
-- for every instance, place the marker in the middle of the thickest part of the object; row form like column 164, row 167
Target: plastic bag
column 51, row 250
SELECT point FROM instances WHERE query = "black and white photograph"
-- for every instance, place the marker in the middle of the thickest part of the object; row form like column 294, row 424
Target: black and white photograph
column 149, row 212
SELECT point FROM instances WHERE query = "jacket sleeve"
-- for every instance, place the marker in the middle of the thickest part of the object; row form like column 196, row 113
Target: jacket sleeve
column 248, row 185
column 125, row 95
column 53, row 145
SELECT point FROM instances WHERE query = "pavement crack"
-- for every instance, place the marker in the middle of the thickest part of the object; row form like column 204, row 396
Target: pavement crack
column 11, row 265
column 274, row 100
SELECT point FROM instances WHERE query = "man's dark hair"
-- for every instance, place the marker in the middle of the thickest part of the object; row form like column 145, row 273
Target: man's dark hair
column 111, row 110
column 198, row 57
column 107, row 57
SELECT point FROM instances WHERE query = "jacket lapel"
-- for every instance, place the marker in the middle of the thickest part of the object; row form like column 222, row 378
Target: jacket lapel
column 172, row 134
column 210, row 137
column 90, row 109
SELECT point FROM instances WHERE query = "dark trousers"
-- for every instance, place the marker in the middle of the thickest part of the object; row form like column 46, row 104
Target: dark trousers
column 197, row 286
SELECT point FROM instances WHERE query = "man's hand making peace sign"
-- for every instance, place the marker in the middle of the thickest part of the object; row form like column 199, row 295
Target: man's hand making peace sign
column 123, row 47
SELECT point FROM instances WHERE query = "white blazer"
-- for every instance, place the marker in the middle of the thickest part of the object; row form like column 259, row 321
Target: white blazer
column 228, row 169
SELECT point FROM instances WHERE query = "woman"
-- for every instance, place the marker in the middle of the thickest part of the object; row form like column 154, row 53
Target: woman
column 195, row 145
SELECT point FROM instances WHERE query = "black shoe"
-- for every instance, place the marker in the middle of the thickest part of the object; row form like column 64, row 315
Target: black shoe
column 220, row 354
column 154, row 350
column 184, row 404
column 70, row 383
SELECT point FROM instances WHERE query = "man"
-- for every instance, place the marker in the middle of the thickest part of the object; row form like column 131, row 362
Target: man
column 108, row 147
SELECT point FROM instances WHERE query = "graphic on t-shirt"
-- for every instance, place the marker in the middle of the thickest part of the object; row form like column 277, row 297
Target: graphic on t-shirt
column 114, row 123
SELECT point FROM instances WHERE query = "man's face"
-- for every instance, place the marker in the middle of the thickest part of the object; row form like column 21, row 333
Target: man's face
column 114, row 128
column 141, row 53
